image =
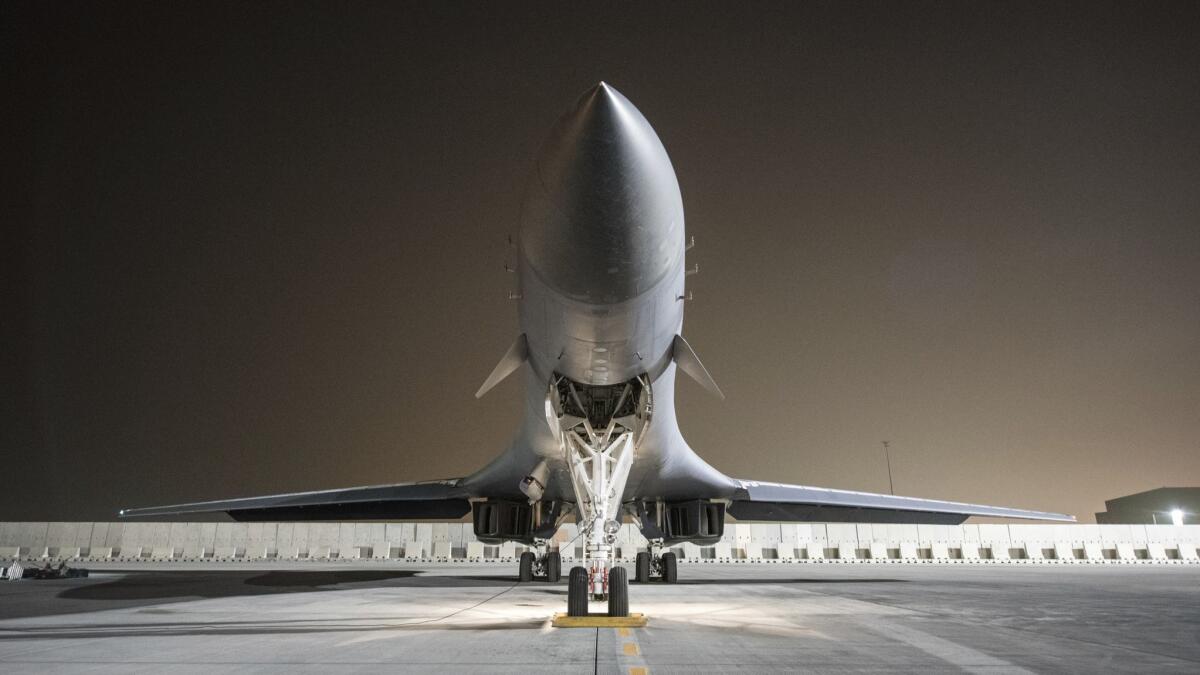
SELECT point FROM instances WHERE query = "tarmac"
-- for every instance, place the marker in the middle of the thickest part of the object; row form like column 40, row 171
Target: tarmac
column 720, row 618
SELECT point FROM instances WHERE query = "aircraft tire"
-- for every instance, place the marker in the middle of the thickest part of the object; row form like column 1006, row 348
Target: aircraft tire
column 642, row 568
column 618, row 592
column 670, row 568
column 526, row 568
column 553, row 567
column 577, row 592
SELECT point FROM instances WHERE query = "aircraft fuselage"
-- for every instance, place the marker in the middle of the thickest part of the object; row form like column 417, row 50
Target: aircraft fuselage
column 602, row 269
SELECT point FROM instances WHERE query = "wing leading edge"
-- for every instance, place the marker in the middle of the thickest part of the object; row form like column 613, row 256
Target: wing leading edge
column 427, row 499
column 758, row 500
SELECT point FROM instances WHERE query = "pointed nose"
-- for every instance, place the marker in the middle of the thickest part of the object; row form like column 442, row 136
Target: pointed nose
column 602, row 219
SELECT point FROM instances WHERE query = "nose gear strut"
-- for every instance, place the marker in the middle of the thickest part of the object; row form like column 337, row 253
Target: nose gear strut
column 598, row 429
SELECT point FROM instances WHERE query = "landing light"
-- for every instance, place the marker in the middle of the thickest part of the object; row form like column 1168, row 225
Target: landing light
column 1176, row 516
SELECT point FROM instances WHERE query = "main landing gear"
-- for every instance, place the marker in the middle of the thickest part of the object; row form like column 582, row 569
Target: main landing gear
column 547, row 567
column 664, row 567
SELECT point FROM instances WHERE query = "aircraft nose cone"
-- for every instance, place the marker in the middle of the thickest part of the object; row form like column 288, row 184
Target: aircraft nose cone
column 602, row 219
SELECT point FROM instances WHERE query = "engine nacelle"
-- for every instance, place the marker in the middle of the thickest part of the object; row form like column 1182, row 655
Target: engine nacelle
column 499, row 520
column 698, row 521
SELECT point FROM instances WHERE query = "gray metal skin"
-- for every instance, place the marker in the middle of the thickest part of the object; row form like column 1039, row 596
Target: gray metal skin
column 601, row 276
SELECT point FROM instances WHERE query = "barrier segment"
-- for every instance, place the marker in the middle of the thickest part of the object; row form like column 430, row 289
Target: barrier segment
column 754, row 551
column 1063, row 552
column 847, row 552
column 225, row 553
column 100, row 553
column 414, row 550
column 1000, row 552
column 1158, row 552
column 1125, row 552
column 1033, row 552
column 723, row 551
column 442, row 550
column 940, row 551
column 194, row 552
column 508, row 551
column 879, row 552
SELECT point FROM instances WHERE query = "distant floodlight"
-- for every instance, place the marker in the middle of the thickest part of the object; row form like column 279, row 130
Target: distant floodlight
column 1176, row 517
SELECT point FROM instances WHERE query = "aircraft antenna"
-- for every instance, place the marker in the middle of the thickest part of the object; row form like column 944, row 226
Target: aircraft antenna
column 888, row 456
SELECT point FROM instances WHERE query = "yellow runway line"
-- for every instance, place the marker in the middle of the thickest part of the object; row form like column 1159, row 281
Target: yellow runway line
column 630, row 648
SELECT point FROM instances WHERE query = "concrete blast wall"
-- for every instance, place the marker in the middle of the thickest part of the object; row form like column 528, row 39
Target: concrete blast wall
column 780, row 542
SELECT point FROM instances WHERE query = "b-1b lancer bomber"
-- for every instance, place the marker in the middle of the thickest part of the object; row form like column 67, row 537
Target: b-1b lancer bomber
column 601, row 273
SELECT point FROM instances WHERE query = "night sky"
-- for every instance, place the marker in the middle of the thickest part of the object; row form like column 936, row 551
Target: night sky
column 257, row 247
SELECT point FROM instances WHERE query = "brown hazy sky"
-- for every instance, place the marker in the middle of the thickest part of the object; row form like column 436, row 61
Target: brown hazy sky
column 260, row 247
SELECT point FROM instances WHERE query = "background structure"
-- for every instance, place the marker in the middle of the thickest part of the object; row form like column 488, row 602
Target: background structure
column 260, row 248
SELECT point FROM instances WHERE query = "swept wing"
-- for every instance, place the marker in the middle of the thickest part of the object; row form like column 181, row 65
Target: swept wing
column 761, row 500
column 426, row 499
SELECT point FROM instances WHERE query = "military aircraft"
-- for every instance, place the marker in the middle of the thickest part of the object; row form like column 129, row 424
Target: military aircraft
column 601, row 286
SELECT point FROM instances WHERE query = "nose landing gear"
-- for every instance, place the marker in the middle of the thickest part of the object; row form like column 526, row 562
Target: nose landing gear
column 598, row 428
column 581, row 583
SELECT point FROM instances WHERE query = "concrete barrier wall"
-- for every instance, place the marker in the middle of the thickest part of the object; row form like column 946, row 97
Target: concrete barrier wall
column 833, row 542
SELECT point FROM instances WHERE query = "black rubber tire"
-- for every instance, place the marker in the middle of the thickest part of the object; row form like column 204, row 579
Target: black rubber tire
column 641, row 567
column 577, row 592
column 670, row 568
column 553, row 567
column 618, row 592
column 526, row 568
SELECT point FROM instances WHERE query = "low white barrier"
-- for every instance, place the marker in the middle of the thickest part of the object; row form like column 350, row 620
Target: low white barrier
column 475, row 551
column 754, row 551
column 442, row 551
column 414, row 550
column 844, row 543
column 162, row 553
column 100, row 553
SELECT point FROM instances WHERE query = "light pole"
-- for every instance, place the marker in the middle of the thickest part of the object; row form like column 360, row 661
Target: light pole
column 888, row 456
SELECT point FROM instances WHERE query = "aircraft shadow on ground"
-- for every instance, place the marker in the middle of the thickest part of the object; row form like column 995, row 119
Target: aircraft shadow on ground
column 146, row 592
column 223, row 584
column 91, row 631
